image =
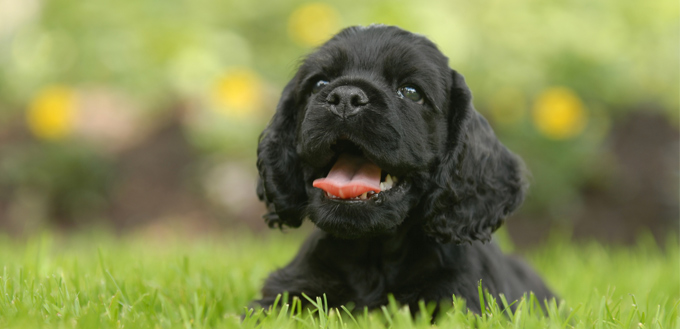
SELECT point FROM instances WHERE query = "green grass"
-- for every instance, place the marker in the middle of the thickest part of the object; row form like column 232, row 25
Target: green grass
column 167, row 281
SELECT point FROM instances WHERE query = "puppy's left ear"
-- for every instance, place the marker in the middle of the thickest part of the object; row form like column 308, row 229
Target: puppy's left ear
column 478, row 181
column 281, row 185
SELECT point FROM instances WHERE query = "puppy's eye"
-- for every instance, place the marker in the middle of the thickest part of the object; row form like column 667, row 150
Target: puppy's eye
column 411, row 93
column 319, row 85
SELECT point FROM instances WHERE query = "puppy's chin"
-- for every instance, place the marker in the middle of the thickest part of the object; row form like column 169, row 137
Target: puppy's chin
column 358, row 218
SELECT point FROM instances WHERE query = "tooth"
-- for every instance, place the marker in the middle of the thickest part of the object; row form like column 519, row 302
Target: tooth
column 388, row 182
column 331, row 196
column 382, row 186
column 364, row 196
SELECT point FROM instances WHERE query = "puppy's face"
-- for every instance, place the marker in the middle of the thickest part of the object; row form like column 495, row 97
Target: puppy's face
column 370, row 110
column 375, row 125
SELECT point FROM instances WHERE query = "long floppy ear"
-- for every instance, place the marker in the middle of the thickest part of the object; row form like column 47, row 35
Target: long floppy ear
column 281, row 184
column 478, row 181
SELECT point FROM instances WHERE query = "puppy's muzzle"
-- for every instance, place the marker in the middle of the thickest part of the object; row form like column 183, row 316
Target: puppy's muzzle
column 346, row 101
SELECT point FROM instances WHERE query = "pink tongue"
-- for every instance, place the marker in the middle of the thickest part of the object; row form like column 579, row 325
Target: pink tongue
column 350, row 177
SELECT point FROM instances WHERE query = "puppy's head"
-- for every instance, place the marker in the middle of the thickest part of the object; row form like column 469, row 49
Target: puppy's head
column 374, row 128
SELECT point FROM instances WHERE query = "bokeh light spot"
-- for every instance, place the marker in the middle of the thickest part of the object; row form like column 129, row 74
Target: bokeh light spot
column 238, row 92
column 313, row 23
column 559, row 113
column 51, row 113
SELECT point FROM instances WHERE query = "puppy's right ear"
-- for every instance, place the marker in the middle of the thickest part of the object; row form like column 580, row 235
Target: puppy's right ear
column 478, row 182
column 281, row 185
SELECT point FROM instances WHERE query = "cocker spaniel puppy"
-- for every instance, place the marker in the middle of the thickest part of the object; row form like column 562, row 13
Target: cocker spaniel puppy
column 376, row 141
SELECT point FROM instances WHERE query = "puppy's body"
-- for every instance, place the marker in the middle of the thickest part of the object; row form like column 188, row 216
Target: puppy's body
column 408, row 265
column 381, row 104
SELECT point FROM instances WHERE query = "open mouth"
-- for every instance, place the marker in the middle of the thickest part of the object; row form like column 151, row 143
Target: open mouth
column 353, row 176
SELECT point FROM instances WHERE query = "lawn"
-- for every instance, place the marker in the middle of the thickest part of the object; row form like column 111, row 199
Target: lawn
column 156, row 280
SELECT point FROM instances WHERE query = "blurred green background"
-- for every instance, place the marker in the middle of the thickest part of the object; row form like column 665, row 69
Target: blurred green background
column 144, row 114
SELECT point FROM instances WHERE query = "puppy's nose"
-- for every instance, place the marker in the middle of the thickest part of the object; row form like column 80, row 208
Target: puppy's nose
column 346, row 101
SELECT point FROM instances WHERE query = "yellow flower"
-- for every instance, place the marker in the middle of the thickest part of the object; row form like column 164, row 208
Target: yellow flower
column 51, row 113
column 313, row 23
column 508, row 106
column 238, row 92
column 559, row 113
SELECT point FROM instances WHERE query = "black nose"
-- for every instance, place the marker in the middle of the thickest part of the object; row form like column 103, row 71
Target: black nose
column 346, row 101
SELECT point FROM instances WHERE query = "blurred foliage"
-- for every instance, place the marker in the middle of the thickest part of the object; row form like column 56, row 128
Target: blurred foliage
column 551, row 76
column 71, row 182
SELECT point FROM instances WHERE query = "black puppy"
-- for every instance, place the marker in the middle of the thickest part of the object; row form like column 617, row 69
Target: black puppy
column 375, row 140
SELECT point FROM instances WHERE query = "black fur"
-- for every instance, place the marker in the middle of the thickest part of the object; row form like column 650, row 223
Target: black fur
column 428, row 237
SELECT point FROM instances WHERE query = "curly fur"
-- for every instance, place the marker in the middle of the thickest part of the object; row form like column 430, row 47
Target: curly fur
column 428, row 238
